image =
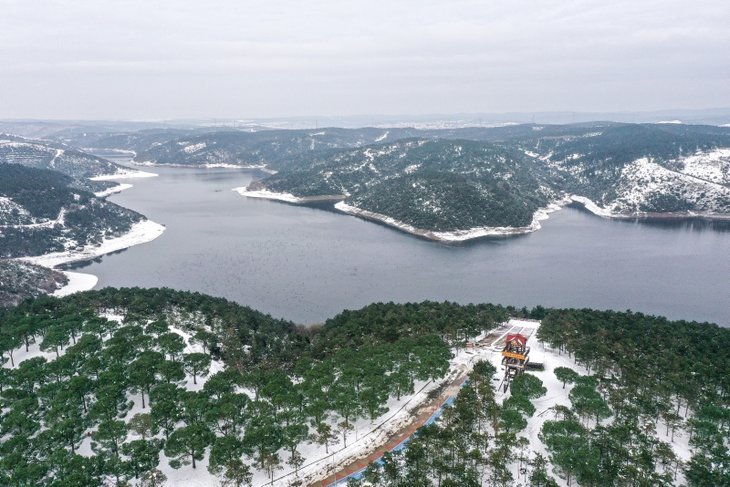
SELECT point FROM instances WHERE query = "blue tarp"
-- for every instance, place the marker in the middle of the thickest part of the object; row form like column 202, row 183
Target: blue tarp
column 359, row 474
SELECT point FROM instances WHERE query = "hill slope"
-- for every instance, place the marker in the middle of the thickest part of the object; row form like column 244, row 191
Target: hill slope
column 42, row 211
column 433, row 187
column 21, row 280
column 273, row 149
column 77, row 164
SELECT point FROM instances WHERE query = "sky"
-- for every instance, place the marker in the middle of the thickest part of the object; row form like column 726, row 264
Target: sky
column 239, row 59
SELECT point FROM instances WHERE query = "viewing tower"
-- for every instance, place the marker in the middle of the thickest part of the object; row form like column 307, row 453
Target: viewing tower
column 515, row 357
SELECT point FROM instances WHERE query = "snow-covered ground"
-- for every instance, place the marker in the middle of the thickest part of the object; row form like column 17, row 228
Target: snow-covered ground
column 209, row 165
column 141, row 232
column 558, row 395
column 77, row 282
column 591, row 206
column 366, row 437
column 269, row 195
column 124, row 174
column 225, row 165
column 700, row 180
column 713, row 166
column 7, row 203
column 114, row 189
column 287, row 197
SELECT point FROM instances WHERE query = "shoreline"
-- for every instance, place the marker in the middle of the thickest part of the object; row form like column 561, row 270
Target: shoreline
column 124, row 175
column 286, row 197
column 592, row 207
column 113, row 190
column 141, row 232
column 120, row 186
column 216, row 165
column 464, row 235
column 456, row 236
column 77, row 282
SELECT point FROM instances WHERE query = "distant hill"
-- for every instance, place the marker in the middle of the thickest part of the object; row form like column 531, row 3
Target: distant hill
column 282, row 149
column 507, row 174
column 135, row 141
column 77, row 164
column 271, row 148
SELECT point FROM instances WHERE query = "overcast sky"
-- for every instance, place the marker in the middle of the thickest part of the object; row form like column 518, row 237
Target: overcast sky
column 165, row 59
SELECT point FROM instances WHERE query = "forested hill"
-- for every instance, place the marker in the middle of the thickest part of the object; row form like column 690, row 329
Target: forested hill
column 280, row 149
column 432, row 184
column 42, row 211
column 274, row 149
column 75, row 163
column 446, row 185
column 144, row 385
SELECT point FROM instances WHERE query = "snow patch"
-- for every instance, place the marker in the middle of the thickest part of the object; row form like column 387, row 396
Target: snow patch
column 287, row 197
column 194, row 147
column 77, row 282
column 114, row 189
column 124, row 174
column 713, row 166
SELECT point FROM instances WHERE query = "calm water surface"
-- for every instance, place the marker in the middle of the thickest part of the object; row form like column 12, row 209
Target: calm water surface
column 307, row 264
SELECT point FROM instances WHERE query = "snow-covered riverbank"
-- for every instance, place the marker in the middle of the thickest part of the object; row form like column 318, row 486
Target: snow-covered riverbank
column 140, row 233
column 606, row 213
column 215, row 165
column 114, row 189
column 456, row 235
column 77, row 282
column 286, row 197
column 123, row 174
column 476, row 232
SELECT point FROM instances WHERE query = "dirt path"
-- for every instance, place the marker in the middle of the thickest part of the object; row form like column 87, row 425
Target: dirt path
column 422, row 414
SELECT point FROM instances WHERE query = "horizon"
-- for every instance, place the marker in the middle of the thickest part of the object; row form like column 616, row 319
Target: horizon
column 481, row 118
column 183, row 60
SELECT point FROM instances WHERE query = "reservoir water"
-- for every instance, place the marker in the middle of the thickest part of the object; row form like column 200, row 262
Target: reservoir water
column 307, row 264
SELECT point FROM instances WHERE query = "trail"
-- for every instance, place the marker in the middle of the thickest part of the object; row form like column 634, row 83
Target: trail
column 423, row 414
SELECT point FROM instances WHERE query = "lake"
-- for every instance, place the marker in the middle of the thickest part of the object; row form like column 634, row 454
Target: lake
column 307, row 264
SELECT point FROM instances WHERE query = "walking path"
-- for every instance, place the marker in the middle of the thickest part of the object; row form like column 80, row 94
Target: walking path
column 426, row 413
